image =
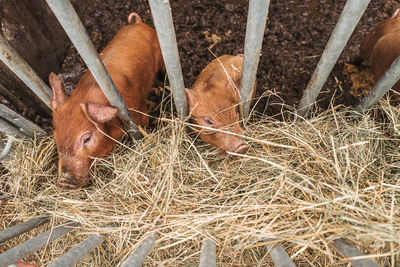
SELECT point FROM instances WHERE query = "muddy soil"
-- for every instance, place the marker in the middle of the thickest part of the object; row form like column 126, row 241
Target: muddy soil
column 295, row 36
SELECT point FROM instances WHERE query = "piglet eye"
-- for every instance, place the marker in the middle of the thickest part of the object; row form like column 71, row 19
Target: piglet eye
column 86, row 138
column 208, row 121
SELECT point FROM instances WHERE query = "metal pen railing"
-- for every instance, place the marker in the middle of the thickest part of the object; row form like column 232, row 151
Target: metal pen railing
column 348, row 20
column 139, row 254
column 279, row 255
column 73, row 256
column 256, row 21
column 208, row 255
column 162, row 17
column 22, row 228
column 13, row 124
column 18, row 65
column 24, row 249
column 349, row 251
column 25, row 126
column 385, row 83
column 69, row 20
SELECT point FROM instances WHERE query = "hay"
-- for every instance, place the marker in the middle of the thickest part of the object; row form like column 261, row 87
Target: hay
column 304, row 183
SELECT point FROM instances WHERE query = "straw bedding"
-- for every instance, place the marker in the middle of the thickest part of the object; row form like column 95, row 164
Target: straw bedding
column 304, row 183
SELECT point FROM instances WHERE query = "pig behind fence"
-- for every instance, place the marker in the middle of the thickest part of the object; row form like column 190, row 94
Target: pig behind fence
column 381, row 47
column 214, row 103
column 85, row 123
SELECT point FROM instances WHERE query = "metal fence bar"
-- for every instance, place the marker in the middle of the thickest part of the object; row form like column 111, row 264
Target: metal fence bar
column 137, row 256
column 22, row 228
column 72, row 25
column 256, row 20
column 279, row 255
column 18, row 65
column 349, row 251
column 162, row 17
column 7, row 128
column 73, row 256
column 390, row 78
column 4, row 153
column 25, row 126
column 208, row 257
column 351, row 14
column 24, row 249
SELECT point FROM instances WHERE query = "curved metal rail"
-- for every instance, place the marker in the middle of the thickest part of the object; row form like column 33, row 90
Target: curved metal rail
column 6, row 150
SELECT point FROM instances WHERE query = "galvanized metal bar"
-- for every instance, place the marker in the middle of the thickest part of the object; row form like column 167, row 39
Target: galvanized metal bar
column 208, row 257
column 348, row 251
column 22, row 228
column 73, row 256
column 162, row 17
column 18, row 65
column 72, row 25
column 24, row 249
column 25, row 126
column 4, row 153
column 138, row 255
column 390, row 78
column 279, row 255
column 256, row 20
column 7, row 128
column 348, row 20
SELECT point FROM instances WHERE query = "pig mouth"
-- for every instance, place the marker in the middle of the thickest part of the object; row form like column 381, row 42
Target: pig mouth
column 70, row 182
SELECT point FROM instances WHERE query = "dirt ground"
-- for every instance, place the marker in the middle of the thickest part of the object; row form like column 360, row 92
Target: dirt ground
column 295, row 36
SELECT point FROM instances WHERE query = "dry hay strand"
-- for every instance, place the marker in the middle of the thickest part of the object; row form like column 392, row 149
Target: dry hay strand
column 303, row 183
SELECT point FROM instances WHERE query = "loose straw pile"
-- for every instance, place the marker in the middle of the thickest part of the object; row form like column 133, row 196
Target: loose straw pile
column 303, row 183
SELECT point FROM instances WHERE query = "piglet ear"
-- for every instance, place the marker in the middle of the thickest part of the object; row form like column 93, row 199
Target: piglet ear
column 99, row 113
column 234, row 83
column 59, row 95
column 191, row 96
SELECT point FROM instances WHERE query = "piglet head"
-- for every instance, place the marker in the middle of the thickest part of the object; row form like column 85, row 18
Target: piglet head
column 80, row 129
column 217, row 114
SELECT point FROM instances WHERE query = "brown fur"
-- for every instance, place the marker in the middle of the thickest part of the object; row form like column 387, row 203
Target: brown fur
column 214, row 98
column 381, row 47
column 24, row 264
column 133, row 58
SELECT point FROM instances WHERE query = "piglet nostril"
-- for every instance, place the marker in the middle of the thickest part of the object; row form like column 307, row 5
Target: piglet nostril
column 239, row 147
column 242, row 149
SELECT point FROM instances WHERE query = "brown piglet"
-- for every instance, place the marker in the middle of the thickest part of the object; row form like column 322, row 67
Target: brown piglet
column 214, row 103
column 86, row 125
column 381, row 47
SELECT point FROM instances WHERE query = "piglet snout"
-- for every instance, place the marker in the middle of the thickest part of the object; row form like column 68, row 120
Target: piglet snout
column 68, row 181
column 240, row 147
